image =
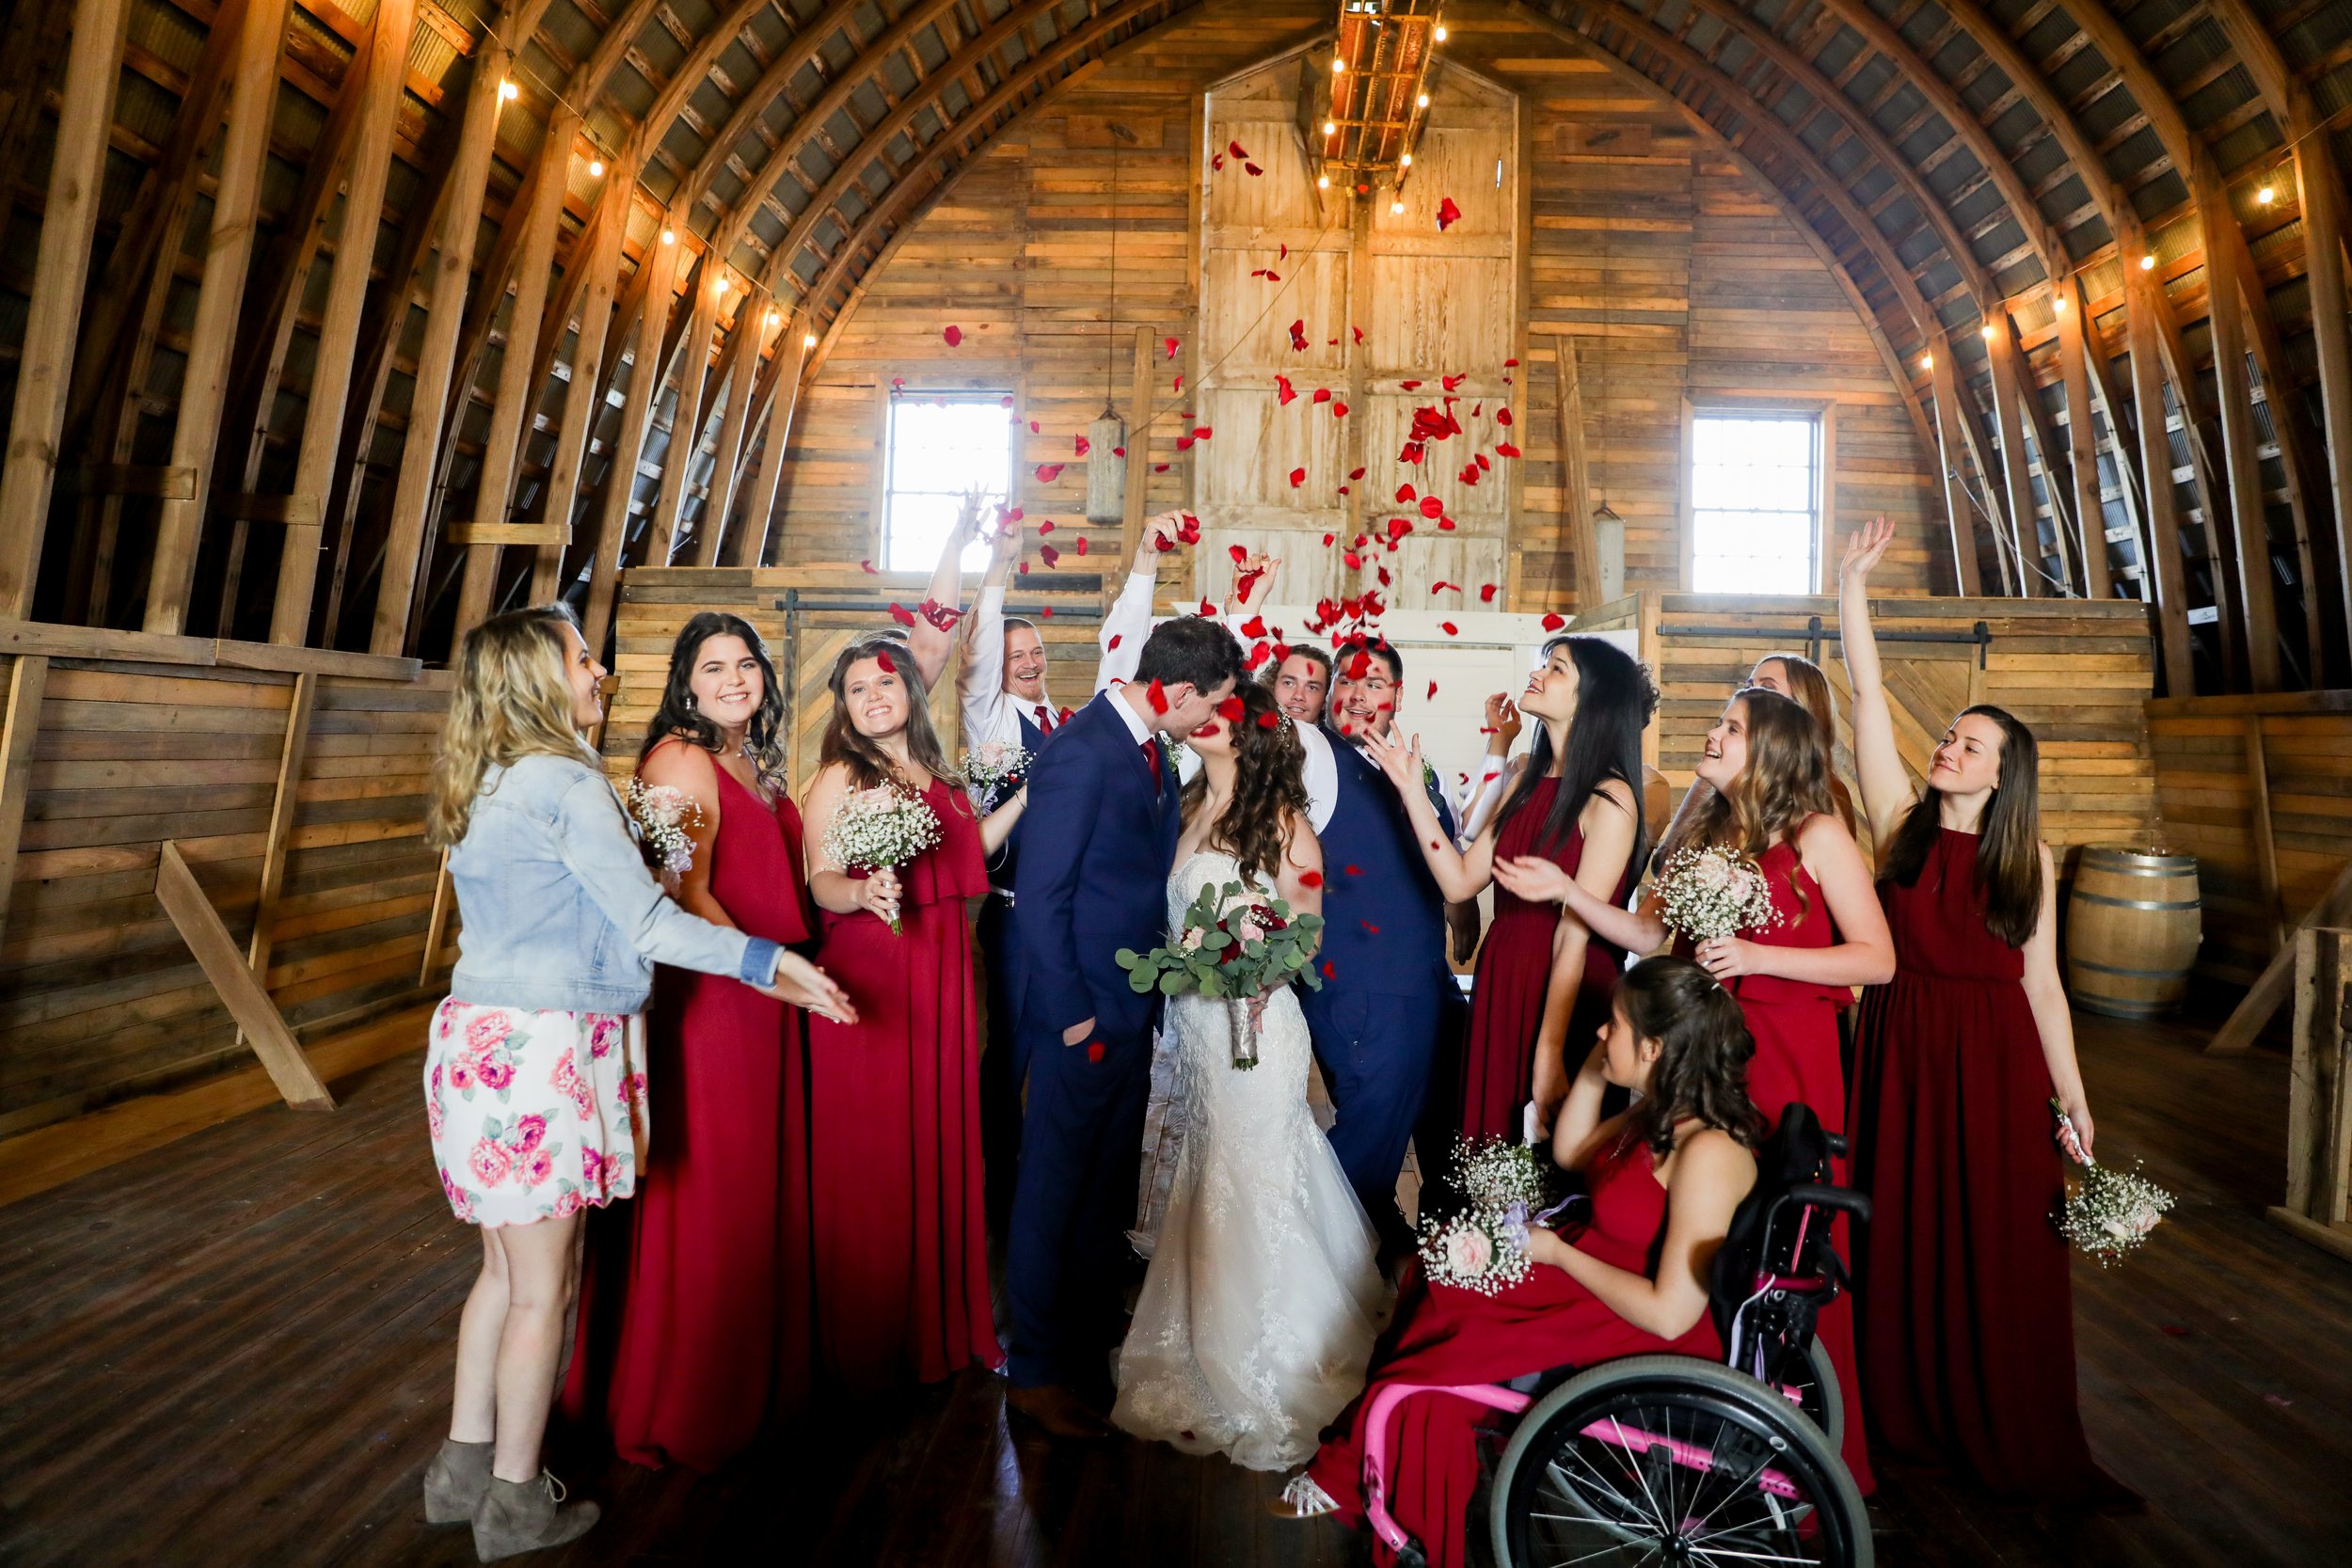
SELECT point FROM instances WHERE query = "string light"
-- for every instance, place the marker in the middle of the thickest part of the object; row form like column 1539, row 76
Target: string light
column 1396, row 209
column 1988, row 332
column 2147, row 264
column 719, row 287
column 1405, row 162
column 1438, row 32
column 1323, row 181
column 1927, row 361
column 1330, row 128
column 596, row 168
column 2057, row 305
column 808, row 339
column 669, row 236
column 1423, row 102
column 775, row 318
column 2265, row 196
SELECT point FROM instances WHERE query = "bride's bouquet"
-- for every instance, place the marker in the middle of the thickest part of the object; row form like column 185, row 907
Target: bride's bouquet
column 1484, row 1247
column 879, row 828
column 1237, row 945
column 1710, row 891
column 2109, row 1212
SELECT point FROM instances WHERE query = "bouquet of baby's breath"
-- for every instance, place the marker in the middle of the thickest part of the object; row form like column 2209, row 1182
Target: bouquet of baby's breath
column 1484, row 1246
column 1714, row 891
column 993, row 763
column 878, row 827
column 2108, row 1213
column 663, row 815
column 1496, row 1173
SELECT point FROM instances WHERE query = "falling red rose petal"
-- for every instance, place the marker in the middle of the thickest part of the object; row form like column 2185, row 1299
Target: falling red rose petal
column 1449, row 628
column 1431, row 506
column 1504, row 449
column 1045, row 527
column 870, row 569
column 1283, row 391
column 1172, row 348
column 1487, row 593
column 1310, row 879
column 1083, row 446
column 1298, row 477
column 954, row 336
column 1448, row 214
column 1431, row 692
column 1232, row 709
column 1049, row 555
column 1554, row 623
column 1094, row 1051
column 1115, row 639
column 889, row 666
column 1159, row 698
column 1048, row 472
column 901, row 615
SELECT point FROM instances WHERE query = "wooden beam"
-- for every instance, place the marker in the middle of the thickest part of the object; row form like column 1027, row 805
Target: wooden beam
column 2248, row 516
column 739, row 370
column 236, row 202
column 517, row 390
column 44, row 366
column 1576, row 488
column 437, row 924
column 200, row 926
column 2265, row 835
column 1137, row 496
column 284, row 799
column 1956, row 502
column 2324, row 239
column 660, row 269
column 2082, row 449
column 2163, row 559
column 687, row 415
column 759, row 509
column 2245, row 1024
column 20, row 726
column 599, row 264
column 323, row 416
column 461, row 220
column 2000, row 350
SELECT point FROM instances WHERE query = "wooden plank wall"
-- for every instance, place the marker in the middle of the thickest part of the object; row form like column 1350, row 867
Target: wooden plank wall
column 2078, row 673
column 99, row 998
column 2260, row 790
column 1642, row 236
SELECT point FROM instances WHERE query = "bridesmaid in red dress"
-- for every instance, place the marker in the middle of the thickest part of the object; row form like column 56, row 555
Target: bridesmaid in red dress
column 1544, row 981
column 1769, row 774
column 1665, row 1177
column 694, row 1319
column 902, row 1258
column 1967, row 1316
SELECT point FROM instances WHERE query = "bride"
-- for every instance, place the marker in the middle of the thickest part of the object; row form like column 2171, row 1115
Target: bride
column 1259, row 1311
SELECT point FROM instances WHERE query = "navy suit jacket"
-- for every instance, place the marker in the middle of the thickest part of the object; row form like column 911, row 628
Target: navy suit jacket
column 1093, row 878
column 1375, row 877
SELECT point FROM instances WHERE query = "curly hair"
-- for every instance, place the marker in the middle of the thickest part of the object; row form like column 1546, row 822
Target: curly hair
column 677, row 717
column 869, row 766
column 511, row 700
column 1705, row 1047
column 1269, row 784
column 1784, row 780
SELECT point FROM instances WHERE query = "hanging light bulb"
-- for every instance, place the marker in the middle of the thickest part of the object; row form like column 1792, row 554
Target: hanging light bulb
column 508, row 91
column 719, row 287
column 596, row 168
column 1927, row 361
column 2057, row 305
column 775, row 318
column 1330, row 128
column 2265, row 196
column 1423, row 102
column 1405, row 162
column 1396, row 209
column 2147, row 264
column 1438, row 32
column 808, row 339
column 1339, row 63
column 1988, row 332
column 669, row 236
column 1323, row 181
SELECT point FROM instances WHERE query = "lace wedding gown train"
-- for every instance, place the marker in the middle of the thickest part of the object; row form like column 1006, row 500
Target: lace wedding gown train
column 1259, row 1312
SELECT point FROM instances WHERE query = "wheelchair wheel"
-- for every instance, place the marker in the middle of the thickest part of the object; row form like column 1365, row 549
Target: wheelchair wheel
column 1820, row 1397
column 1670, row 1460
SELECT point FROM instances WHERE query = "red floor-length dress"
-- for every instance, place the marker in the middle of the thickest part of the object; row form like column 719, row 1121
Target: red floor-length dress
column 895, row 1144
column 694, row 1315
column 1444, row 1334
column 1514, row 970
column 1967, row 1317
column 1795, row 1027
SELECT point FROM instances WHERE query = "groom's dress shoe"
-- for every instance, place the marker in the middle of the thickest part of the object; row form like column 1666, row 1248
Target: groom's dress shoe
column 1061, row 1413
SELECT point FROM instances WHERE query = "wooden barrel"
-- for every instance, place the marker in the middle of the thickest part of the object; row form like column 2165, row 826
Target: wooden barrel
column 2132, row 929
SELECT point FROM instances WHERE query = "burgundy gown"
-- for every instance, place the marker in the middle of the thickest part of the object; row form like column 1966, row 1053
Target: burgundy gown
column 1967, row 1317
column 1514, row 970
column 1795, row 1025
column 895, row 1142
column 1446, row 1335
column 694, row 1315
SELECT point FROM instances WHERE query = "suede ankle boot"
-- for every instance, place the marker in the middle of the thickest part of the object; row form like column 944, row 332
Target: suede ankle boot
column 455, row 1481
column 519, row 1516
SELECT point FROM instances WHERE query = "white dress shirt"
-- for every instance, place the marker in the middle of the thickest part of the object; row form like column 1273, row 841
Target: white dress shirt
column 989, row 711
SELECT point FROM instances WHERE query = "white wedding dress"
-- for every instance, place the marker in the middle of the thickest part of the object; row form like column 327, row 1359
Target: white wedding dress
column 1259, row 1311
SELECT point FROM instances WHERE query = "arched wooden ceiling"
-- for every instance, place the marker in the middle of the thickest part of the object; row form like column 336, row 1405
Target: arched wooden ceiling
column 1967, row 166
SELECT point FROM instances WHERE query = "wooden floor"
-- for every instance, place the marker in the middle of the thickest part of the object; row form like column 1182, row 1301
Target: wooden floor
column 235, row 1351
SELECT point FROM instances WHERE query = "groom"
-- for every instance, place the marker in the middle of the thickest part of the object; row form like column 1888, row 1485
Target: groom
column 1093, row 882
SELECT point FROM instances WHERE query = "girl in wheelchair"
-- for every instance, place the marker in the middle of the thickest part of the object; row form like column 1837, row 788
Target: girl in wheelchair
column 1664, row 1177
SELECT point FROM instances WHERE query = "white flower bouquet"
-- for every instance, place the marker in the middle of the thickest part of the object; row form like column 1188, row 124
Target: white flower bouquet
column 881, row 828
column 1495, row 1172
column 2109, row 1212
column 1712, row 892
column 665, row 816
column 993, row 763
column 1484, row 1247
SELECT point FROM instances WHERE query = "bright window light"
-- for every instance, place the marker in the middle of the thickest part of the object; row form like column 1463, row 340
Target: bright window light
column 1755, row 503
column 942, row 444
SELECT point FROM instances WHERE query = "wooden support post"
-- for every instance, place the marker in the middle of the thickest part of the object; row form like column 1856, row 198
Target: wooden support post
column 19, row 723
column 347, row 296
column 2043, row 433
column 738, row 369
column 2163, row 560
column 281, row 820
column 1138, row 452
column 2016, row 479
column 2248, row 516
column 2082, row 446
column 1943, row 381
column 2271, row 990
column 45, row 367
column 759, row 506
column 437, row 924
column 517, row 392
column 687, row 414
column 199, row 925
column 2266, row 836
column 461, row 218
column 2319, row 1103
column 659, row 264
column 2324, row 239
column 1576, row 485
column 195, row 436
column 602, row 260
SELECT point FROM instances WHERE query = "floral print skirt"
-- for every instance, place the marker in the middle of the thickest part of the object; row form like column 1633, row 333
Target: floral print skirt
column 533, row 1115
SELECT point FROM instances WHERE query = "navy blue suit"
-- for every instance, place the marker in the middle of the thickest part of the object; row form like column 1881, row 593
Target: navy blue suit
column 1387, row 993
column 1091, row 881
column 1001, row 1067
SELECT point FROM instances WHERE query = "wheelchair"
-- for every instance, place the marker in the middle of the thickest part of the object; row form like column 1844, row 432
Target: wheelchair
column 1674, row 1460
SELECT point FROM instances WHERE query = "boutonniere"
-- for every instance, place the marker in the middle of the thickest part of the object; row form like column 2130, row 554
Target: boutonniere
column 1428, row 776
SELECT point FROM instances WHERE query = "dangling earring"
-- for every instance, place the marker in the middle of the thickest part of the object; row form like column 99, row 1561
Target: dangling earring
column 690, row 702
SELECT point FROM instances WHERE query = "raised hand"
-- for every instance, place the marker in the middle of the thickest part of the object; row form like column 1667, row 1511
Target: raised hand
column 1158, row 537
column 1004, row 548
column 1401, row 762
column 1864, row 548
column 1503, row 722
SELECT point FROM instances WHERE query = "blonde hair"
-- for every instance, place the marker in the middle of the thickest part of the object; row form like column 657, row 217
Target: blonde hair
column 512, row 700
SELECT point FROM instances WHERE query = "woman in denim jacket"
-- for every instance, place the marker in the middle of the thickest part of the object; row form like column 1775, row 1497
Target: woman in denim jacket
column 534, row 1082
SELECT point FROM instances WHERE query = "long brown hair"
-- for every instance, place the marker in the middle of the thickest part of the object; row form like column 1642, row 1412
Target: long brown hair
column 678, row 717
column 869, row 766
column 1785, row 781
column 512, row 699
column 1702, row 1067
column 2009, row 839
column 1808, row 683
column 1269, row 784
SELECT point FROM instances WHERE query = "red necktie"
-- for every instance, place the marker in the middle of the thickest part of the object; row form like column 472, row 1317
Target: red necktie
column 1044, row 720
column 1151, row 755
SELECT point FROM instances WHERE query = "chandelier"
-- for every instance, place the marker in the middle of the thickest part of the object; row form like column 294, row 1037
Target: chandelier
column 1361, row 131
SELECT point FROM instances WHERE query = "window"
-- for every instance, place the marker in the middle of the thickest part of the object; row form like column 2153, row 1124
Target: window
column 1755, row 503
column 942, row 445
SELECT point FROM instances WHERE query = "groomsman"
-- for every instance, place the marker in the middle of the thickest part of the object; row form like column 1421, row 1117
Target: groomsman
column 1094, row 884
column 1387, row 993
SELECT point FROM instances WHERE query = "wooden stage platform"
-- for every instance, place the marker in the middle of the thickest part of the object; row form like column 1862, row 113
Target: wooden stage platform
column 235, row 1351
